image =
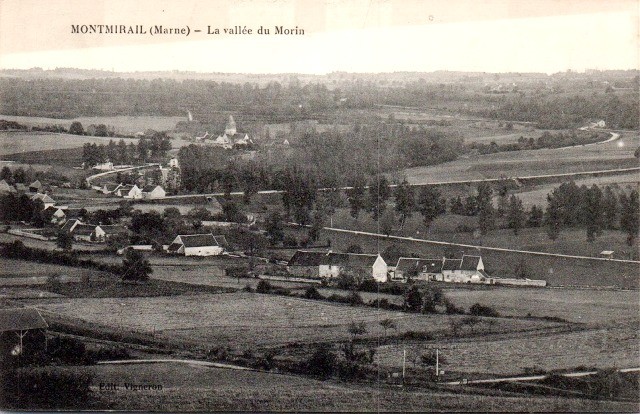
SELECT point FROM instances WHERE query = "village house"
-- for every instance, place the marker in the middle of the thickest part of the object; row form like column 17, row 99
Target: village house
column 46, row 200
column 330, row 265
column 35, row 187
column 70, row 224
column 6, row 188
column 22, row 334
column 130, row 192
column 197, row 245
column 54, row 215
column 469, row 269
column 83, row 232
column 110, row 188
column 21, row 188
column 417, row 269
column 231, row 136
column 151, row 192
column 306, row 264
column 103, row 232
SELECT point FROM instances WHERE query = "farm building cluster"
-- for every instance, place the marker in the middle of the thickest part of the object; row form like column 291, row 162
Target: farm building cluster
column 468, row 269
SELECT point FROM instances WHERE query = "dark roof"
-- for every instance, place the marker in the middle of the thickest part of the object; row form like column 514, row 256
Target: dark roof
column 470, row 262
column 173, row 247
column 73, row 212
column 84, row 229
column 304, row 258
column 68, row 224
column 111, row 186
column 21, row 319
column 113, row 228
column 221, row 240
column 485, row 274
column 361, row 260
column 149, row 188
column 451, row 264
column 126, row 188
column 337, row 259
column 408, row 264
column 198, row 240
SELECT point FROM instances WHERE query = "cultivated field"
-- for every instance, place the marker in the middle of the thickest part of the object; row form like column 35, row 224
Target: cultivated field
column 584, row 306
column 121, row 124
column 600, row 348
column 246, row 320
column 532, row 162
column 17, row 142
column 193, row 388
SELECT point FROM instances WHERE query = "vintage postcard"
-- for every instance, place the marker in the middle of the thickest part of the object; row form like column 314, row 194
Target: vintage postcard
column 319, row 205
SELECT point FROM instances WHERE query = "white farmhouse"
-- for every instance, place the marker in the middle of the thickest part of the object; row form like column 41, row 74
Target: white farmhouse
column 130, row 191
column 151, row 192
column 197, row 245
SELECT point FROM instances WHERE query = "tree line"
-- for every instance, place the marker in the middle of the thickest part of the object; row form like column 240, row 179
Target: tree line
column 147, row 149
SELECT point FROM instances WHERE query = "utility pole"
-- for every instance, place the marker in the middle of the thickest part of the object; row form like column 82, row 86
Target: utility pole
column 437, row 364
column 404, row 361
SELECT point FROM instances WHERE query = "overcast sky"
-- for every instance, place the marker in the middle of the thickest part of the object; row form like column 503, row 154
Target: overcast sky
column 340, row 35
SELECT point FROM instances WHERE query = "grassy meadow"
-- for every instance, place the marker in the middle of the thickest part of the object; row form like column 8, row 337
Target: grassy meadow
column 532, row 162
column 248, row 320
column 193, row 388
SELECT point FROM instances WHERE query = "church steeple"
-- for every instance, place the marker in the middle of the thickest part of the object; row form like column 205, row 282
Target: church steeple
column 231, row 126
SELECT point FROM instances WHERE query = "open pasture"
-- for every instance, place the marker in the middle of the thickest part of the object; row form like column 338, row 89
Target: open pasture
column 599, row 348
column 572, row 241
column 532, row 162
column 196, row 388
column 245, row 320
column 575, row 305
column 12, row 142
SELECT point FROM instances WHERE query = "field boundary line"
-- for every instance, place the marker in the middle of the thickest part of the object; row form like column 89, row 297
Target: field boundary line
column 498, row 249
column 535, row 377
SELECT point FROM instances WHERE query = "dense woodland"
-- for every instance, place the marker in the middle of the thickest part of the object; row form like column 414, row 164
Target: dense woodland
column 554, row 103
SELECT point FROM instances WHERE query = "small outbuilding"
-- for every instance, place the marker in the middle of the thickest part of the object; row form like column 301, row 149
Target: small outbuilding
column 22, row 333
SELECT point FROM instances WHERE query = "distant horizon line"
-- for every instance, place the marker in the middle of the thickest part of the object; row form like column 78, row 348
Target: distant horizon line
column 568, row 70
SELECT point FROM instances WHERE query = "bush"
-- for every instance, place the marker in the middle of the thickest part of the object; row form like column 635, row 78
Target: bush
column 264, row 286
column 312, row 293
column 321, row 363
column 481, row 310
column 237, row 272
column 67, row 351
column 452, row 309
column 354, row 299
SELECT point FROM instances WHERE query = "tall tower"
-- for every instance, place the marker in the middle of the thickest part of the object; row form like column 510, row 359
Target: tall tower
column 231, row 126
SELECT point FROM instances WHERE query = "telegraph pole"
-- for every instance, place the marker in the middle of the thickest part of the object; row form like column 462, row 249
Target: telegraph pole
column 437, row 365
column 404, row 361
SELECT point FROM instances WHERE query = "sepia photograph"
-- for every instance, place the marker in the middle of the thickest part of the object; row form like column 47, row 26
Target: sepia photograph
column 320, row 206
